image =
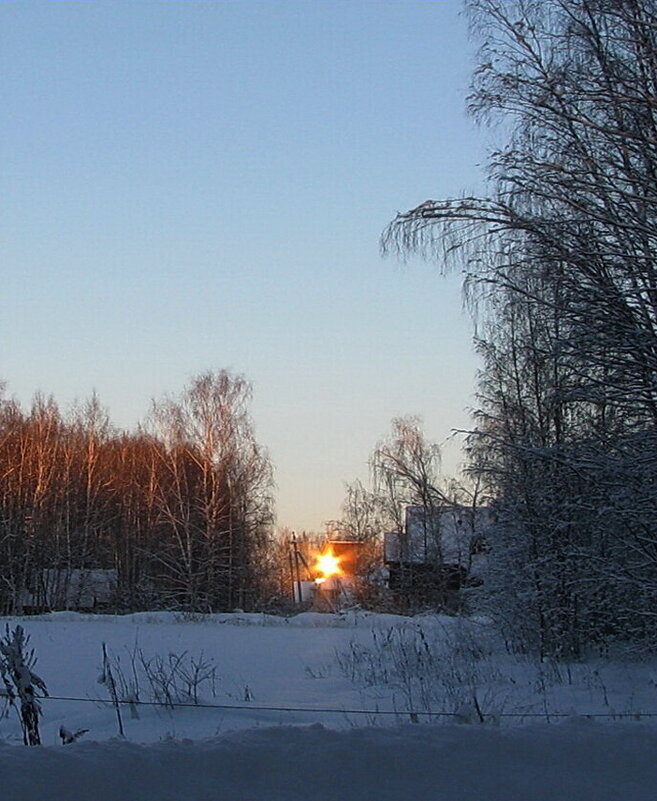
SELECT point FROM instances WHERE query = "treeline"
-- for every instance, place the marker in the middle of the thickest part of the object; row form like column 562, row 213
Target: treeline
column 561, row 266
column 181, row 509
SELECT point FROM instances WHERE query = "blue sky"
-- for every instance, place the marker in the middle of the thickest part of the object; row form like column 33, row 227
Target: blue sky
column 199, row 185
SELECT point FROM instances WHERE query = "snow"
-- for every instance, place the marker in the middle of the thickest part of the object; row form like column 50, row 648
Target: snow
column 249, row 752
column 587, row 762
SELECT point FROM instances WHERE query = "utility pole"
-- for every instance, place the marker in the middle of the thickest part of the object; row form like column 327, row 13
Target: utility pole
column 297, row 570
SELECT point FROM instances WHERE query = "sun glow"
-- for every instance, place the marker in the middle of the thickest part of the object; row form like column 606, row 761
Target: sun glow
column 328, row 565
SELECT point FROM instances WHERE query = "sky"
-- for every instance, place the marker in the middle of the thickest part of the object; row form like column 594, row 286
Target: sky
column 192, row 186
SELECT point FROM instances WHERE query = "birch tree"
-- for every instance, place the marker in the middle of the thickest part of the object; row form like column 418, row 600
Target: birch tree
column 560, row 269
column 214, row 491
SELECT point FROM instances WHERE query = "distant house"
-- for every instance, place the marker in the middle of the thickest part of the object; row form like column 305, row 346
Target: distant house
column 447, row 534
column 75, row 589
column 439, row 550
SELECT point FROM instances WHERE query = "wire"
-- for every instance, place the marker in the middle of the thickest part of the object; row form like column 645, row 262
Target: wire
column 344, row 711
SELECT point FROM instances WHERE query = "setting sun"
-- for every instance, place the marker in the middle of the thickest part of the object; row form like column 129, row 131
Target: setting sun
column 328, row 565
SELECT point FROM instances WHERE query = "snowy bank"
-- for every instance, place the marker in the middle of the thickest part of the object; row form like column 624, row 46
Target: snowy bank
column 578, row 760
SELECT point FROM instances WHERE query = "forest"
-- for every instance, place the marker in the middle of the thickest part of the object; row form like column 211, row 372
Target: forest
column 181, row 509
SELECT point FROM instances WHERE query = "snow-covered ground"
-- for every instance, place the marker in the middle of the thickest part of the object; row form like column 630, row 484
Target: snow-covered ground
column 566, row 762
column 549, row 731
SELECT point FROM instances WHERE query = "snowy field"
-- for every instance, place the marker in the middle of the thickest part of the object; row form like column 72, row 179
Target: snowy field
column 293, row 708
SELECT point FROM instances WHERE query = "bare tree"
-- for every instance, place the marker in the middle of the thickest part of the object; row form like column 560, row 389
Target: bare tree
column 560, row 268
column 214, row 491
column 410, row 499
column 182, row 513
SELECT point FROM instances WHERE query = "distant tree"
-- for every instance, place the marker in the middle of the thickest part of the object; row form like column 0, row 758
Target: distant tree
column 182, row 512
column 362, row 517
column 405, row 468
column 213, row 493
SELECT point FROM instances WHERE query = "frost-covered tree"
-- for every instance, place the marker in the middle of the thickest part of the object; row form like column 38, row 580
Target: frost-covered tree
column 561, row 269
column 21, row 682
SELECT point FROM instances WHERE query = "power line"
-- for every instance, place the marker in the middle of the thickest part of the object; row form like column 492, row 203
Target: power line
column 345, row 711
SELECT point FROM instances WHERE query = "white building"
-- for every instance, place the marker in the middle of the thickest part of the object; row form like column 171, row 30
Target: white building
column 448, row 535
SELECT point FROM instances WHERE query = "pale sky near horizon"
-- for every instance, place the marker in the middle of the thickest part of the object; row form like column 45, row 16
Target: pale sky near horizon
column 190, row 186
